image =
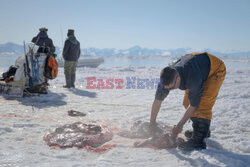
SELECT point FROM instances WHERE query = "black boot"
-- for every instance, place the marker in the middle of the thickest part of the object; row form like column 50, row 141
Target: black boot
column 68, row 81
column 189, row 134
column 73, row 78
column 200, row 132
column 192, row 144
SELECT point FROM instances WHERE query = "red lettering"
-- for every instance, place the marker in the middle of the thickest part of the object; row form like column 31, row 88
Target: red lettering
column 119, row 82
column 100, row 84
column 110, row 84
column 90, row 83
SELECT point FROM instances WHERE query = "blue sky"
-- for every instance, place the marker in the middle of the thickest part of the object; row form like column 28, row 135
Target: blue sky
column 165, row 24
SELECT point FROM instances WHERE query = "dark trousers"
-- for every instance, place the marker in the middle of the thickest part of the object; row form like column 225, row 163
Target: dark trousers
column 200, row 129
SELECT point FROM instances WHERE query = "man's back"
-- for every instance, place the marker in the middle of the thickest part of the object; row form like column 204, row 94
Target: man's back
column 194, row 65
column 42, row 40
column 193, row 70
column 71, row 50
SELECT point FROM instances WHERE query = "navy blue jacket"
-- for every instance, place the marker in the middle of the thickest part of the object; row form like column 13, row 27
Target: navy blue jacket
column 42, row 39
column 193, row 71
column 71, row 49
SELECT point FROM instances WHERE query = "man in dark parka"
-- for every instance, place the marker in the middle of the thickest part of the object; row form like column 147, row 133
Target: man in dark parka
column 44, row 42
column 71, row 54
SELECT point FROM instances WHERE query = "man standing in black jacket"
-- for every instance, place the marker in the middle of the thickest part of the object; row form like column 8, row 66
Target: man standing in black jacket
column 71, row 54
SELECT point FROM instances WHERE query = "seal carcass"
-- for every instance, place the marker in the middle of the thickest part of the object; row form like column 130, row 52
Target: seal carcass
column 78, row 135
column 162, row 139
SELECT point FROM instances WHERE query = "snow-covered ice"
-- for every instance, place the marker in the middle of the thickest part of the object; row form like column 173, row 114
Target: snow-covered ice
column 24, row 122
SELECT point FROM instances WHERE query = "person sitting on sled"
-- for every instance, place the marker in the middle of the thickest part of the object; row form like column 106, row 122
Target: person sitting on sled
column 201, row 76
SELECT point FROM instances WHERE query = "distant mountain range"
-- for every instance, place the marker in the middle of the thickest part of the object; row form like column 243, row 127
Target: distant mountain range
column 14, row 49
column 136, row 51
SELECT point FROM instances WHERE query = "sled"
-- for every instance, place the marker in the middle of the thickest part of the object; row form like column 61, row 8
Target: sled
column 29, row 76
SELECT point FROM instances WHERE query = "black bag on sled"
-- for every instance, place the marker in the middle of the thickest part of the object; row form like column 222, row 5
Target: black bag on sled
column 11, row 72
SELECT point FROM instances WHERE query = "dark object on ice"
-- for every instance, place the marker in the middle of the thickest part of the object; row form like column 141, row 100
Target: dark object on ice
column 163, row 139
column 78, row 135
column 11, row 72
column 41, row 89
column 74, row 113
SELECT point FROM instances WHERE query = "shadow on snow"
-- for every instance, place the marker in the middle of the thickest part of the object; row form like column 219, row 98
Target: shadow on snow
column 81, row 92
column 217, row 153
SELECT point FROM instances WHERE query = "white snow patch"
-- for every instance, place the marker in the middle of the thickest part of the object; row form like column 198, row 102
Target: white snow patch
column 24, row 121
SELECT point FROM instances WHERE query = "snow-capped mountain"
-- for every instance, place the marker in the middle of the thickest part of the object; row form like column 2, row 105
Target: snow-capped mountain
column 15, row 49
column 11, row 49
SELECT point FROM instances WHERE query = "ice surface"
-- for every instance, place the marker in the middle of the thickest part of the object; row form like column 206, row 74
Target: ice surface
column 24, row 122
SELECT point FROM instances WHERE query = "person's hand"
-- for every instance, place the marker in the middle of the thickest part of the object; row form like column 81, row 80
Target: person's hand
column 176, row 130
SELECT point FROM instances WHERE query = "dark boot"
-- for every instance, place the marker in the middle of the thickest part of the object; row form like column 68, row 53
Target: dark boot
column 192, row 144
column 73, row 78
column 189, row 134
column 68, row 81
column 200, row 132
